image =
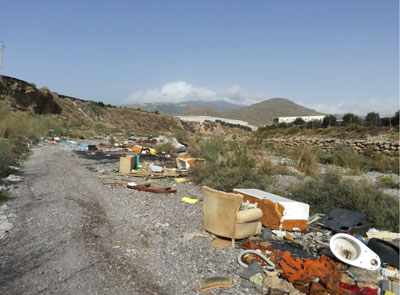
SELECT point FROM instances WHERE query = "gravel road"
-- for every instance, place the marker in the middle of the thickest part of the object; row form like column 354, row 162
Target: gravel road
column 73, row 235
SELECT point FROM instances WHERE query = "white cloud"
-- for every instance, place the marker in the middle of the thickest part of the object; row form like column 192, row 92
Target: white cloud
column 385, row 107
column 180, row 91
column 175, row 92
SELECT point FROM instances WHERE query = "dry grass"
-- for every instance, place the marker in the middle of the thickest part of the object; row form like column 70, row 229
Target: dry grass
column 308, row 160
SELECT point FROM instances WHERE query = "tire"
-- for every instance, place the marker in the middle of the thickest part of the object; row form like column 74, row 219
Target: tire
column 387, row 252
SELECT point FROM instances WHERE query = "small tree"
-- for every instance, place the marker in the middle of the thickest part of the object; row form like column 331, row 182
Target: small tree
column 314, row 124
column 395, row 119
column 328, row 121
column 351, row 118
column 373, row 119
column 299, row 122
column 386, row 121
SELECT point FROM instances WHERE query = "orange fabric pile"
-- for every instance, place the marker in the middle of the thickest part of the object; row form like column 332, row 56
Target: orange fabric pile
column 303, row 272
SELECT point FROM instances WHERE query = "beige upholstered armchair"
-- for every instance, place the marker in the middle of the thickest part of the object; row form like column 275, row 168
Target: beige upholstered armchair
column 223, row 218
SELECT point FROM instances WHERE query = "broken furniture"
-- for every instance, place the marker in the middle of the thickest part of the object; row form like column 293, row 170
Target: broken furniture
column 278, row 212
column 151, row 187
column 223, row 218
column 345, row 221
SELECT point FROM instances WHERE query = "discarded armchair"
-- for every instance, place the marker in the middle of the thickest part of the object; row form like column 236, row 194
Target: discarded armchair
column 223, row 218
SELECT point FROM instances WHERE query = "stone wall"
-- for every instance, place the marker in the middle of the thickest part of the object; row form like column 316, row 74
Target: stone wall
column 359, row 145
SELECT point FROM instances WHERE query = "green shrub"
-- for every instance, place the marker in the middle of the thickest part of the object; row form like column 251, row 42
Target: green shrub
column 330, row 191
column 4, row 197
column 240, row 158
column 293, row 130
column 181, row 136
column 44, row 89
column 383, row 163
column 308, row 160
column 352, row 127
column 166, row 148
column 211, row 149
column 346, row 157
column 42, row 124
column 100, row 128
column 236, row 170
column 225, row 178
column 6, row 158
column 266, row 167
column 387, row 182
column 95, row 108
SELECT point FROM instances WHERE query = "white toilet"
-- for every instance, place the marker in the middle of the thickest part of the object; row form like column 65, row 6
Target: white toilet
column 352, row 251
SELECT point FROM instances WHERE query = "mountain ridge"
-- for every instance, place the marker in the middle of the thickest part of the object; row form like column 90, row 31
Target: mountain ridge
column 258, row 114
column 179, row 108
column 265, row 111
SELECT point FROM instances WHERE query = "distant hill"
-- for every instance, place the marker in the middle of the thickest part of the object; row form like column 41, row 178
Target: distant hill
column 206, row 111
column 257, row 114
column 179, row 108
column 264, row 112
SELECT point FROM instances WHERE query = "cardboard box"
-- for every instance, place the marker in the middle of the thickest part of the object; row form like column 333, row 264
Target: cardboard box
column 279, row 213
column 126, row 164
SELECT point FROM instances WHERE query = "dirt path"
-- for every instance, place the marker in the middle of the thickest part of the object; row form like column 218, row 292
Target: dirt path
column 73, row 235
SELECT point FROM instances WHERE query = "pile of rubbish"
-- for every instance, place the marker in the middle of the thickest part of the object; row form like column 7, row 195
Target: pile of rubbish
column 336, row 253
column 306, row 263
column 134, row 160
column 283, row 249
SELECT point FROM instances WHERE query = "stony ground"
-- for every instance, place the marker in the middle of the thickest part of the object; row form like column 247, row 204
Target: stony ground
column 73, row 235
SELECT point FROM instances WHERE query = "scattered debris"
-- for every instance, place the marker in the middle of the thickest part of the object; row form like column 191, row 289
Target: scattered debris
column 214, row 283
column 253, row 268
column 180, row 180
column 155, row 168
column 13, row 178
column 189, row 236
column 144, row 150
column 173, row 141
column 221, row 243
column 270, row 266
column 388, row 252
column 383, row 235
column 151, row 187
column 345, row 221
column 184, row 162
column 292, row 254
column 189, row 200
column 281, row 285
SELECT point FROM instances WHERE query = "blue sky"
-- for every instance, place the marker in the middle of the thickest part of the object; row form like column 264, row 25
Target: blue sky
column 332, row 55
